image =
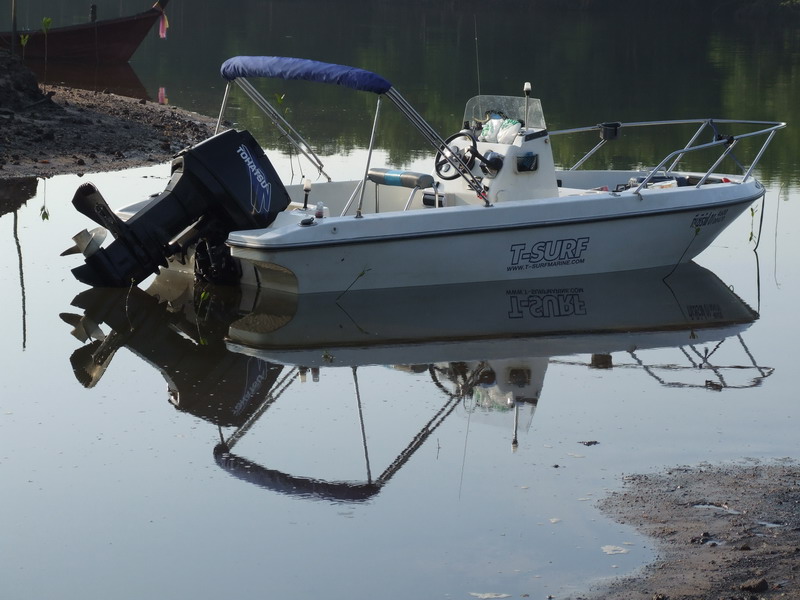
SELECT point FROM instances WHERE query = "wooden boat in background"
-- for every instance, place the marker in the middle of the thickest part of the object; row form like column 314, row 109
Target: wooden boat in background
column 110, row 41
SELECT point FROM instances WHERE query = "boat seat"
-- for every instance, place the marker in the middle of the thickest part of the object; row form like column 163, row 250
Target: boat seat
column 407, row 179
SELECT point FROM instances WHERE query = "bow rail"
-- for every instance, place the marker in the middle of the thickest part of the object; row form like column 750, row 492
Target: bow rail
column 609, row 132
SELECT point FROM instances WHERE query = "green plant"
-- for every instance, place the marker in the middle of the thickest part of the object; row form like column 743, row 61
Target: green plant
column 23, row 41
column 46, row 22
column 43, row 212
column 279, row 98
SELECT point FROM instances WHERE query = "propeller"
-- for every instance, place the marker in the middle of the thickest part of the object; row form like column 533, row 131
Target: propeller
column 87, row 242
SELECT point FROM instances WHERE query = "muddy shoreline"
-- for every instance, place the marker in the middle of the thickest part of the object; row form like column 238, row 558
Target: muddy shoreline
column 53, row 130
column 727, row 532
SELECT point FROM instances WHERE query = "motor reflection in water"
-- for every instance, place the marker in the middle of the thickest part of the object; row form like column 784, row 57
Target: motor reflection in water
column 229, row 353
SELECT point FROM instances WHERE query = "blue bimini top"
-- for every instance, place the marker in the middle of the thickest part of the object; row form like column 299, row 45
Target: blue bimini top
column 300, row 68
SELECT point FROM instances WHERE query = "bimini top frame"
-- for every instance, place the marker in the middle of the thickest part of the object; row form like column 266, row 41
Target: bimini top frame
column 236, row 69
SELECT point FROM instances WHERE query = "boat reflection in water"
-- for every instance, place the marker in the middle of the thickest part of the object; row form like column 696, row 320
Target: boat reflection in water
column 484, row 345
column 120, row 79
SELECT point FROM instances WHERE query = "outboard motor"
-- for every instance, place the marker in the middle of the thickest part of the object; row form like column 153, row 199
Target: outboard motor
column 220, row 185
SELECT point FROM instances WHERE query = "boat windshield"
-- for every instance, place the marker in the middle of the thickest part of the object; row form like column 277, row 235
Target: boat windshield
column 480, row 108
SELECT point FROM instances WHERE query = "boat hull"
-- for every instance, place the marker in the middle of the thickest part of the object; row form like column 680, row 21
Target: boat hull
column 511, row 241
column 109, row 41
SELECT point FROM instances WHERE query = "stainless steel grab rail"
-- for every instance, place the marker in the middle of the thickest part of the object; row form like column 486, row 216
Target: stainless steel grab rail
column 729, row 142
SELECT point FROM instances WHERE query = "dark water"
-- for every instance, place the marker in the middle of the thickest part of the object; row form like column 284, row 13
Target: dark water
column 390, row 472
column 586, row 67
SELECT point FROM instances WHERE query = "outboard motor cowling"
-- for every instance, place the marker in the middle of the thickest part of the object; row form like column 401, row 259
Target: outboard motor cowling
column 220, row 185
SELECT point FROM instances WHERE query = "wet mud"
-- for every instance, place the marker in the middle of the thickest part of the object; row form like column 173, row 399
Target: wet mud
column 48, row 130
column 727, row 532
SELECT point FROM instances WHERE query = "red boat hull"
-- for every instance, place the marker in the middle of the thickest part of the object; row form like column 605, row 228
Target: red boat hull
column 110, row 41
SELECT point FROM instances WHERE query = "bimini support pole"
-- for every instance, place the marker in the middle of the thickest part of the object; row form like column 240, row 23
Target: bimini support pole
column 438, row 143
column 369, row 158
column 282, row 125
column 222, row 108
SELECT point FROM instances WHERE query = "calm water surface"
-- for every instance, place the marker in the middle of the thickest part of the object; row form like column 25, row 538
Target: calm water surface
column 399, row 478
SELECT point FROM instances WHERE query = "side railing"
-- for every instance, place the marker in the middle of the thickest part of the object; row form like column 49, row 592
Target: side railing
column 610, row 132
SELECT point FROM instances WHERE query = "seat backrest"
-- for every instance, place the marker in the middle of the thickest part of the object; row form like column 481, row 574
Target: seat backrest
column 407, row 179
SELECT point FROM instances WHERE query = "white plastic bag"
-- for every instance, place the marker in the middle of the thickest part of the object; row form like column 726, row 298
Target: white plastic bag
column 508, row 131
column 490, row 129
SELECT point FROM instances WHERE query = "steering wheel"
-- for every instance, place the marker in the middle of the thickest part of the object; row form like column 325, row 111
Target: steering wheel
column 467, row 155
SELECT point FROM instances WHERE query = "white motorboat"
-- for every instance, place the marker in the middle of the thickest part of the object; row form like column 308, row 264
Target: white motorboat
column 495, row 206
